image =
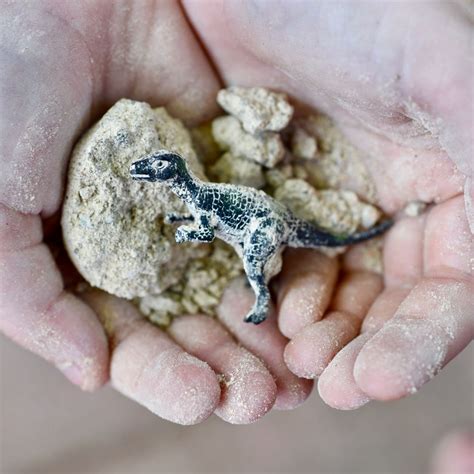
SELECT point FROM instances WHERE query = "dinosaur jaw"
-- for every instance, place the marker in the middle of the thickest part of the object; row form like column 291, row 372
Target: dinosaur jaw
column 138, row 172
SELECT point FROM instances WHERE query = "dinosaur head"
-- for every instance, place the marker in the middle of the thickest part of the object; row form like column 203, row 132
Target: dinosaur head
column 161, row 165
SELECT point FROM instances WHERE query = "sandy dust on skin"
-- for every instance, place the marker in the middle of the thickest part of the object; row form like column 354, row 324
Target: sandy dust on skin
column 304, row 289
column 265, row 341
column 435, row 320
column 337, row 386
column 248, row 390
column 414, row 339
column 148, row 367
column 431, row 325
column 45, row 319
column 313, row 347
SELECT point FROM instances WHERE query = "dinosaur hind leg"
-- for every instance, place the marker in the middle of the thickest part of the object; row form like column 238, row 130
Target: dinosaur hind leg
column 256, row 277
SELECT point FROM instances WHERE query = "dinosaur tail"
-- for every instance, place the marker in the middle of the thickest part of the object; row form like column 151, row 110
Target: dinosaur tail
column 308, row 235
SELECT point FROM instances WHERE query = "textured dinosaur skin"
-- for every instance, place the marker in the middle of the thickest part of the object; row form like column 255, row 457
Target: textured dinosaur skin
column 255, row 224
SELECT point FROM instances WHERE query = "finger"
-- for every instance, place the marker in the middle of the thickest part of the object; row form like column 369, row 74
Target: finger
column 265, row 341
column 434, row 323
column 403, row 253
column 38, row 314
column 305, row 287
column 248, row 389
column 383, row 308
column 311, row 349
column 150, row 368
column 337, row 385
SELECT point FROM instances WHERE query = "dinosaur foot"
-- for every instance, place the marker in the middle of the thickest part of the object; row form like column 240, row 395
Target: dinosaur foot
column 255, row 318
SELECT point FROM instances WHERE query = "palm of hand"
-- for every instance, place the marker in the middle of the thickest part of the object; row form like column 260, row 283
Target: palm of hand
column 409, row 330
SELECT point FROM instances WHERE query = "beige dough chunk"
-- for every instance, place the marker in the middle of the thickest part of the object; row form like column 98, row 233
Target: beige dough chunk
column 338, row 211
column 207, row 149
column 231, row 169
column 113, row 226
column 266, row 148
column 303, row 145
column 258, row 109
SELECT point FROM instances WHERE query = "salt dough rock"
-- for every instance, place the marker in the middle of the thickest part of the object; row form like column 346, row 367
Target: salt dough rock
column 303, row 145
column 231, row 169
column 207, row 149
column 276, row 177
column 338, row 211
column 113, row 226
column 265, row 148
column 258, row 109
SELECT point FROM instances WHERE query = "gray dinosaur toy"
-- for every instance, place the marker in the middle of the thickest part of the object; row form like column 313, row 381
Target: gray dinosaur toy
column 255, row 224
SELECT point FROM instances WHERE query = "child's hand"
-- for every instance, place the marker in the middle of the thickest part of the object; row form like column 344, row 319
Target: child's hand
column 63, row 64
column 403, row 92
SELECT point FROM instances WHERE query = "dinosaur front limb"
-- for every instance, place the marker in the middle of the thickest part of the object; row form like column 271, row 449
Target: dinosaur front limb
column 174, row 217
column 202, row 233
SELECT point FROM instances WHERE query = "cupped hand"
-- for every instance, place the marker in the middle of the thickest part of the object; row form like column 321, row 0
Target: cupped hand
column 63, row 64
column 403, row 94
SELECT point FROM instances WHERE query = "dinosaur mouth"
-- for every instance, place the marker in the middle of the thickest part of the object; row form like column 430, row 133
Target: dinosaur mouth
column 138, row 173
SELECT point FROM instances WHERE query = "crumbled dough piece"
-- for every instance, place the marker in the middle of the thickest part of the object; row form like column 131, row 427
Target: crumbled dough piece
column 258, row 109
column 266, row 148
column 414, row 208
column 207, row 149
column 276, row 177
column 300, row 172
column 199, row 289
column 231, row 169
column 339, row 164
column 338, row 211
column 303, row 145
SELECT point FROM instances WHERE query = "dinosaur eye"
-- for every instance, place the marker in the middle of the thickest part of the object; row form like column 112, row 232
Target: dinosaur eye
column 159, row 165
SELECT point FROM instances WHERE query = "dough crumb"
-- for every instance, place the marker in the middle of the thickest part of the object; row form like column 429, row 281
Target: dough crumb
column 303, row 145
column 339, row 211
column 201, row 288
column 414, row 208
column 265, row 148
column 258, row 109
column 231, row 169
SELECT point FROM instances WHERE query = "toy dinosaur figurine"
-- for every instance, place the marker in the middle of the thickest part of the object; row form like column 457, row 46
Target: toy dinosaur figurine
column 255, row 224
